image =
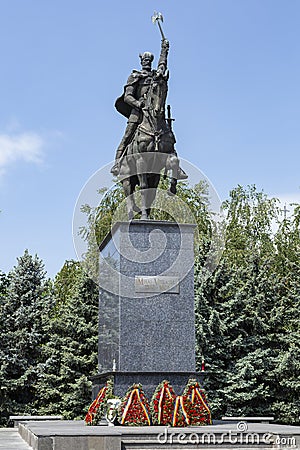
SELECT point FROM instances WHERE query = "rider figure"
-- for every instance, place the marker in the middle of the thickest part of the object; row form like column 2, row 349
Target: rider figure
column 130, row 104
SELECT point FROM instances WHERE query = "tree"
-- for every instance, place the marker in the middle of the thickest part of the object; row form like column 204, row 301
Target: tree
column 4, row 399
column 25, row 305
column 285, row 320
column 246, row 312
column 70, row 355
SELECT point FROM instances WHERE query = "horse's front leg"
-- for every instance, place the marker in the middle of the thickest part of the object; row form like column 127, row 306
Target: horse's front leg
column 128, row 190
column 144, row 209
column 141, row 166
column 153, row 181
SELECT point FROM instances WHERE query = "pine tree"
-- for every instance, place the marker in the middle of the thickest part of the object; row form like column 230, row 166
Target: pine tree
column 4, row 348
column 24, row 307
column 210, row 339
column 248, row 389
column 70, row 355
column 285, row 320
column 246, row 313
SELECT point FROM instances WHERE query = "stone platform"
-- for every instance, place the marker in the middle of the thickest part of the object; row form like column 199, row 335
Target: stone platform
column 75, row 435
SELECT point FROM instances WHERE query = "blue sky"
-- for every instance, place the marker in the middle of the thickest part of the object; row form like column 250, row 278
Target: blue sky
column 234, row 91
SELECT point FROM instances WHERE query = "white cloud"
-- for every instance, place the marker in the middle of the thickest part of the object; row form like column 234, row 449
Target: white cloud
column 25, row 146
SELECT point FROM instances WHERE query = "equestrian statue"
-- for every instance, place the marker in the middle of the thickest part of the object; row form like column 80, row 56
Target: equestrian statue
column 148, row 146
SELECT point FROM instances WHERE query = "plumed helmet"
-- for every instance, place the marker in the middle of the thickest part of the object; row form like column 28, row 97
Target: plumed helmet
column 147, row 55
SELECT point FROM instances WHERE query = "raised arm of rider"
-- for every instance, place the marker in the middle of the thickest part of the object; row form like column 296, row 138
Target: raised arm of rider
column 163, row 58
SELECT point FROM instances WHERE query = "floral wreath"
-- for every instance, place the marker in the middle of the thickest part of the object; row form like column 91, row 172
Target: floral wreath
column 99, row 406
column 162, row 404
column 199, row 411
column 134, row 408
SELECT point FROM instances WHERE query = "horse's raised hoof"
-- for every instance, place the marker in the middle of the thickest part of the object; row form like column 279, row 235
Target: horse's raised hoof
column 181, row 175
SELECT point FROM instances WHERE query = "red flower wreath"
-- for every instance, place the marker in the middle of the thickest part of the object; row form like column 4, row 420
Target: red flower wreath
column 134, row 409
column 162, row 404
column 181, row 415
column 97, row 409
column 199, row 413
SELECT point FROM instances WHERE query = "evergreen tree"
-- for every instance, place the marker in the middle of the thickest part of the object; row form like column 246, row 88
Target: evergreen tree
column 23, row 309
column 70, row 355
column 285, row 320
column 252, row 299
column 4, row 348
column 210, row 338
column 248, row 388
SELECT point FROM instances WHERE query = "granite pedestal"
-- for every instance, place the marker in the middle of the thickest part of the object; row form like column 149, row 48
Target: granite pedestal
column 146, row 306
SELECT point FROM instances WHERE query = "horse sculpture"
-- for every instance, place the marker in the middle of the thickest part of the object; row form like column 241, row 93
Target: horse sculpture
column 150, row 151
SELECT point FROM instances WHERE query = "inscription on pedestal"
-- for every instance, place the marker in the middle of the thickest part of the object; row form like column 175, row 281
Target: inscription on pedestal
column 156, row 284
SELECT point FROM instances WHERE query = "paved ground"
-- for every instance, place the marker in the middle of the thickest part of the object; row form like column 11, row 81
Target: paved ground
column 11, row 440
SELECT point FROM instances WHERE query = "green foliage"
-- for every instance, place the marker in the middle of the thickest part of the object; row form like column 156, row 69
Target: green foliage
column 249, row 223
column 4, row 352
column 25, row 301
column 246, row 310
column 69, row 356
column 246, row 313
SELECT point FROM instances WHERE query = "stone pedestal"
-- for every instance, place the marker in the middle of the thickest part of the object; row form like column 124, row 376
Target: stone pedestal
column 146, row 305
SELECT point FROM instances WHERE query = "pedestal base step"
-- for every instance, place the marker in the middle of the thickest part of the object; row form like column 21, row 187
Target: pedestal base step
column 67, row 435
column 149, row 381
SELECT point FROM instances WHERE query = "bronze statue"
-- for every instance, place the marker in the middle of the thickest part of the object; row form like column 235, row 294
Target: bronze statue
column 147, row 146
